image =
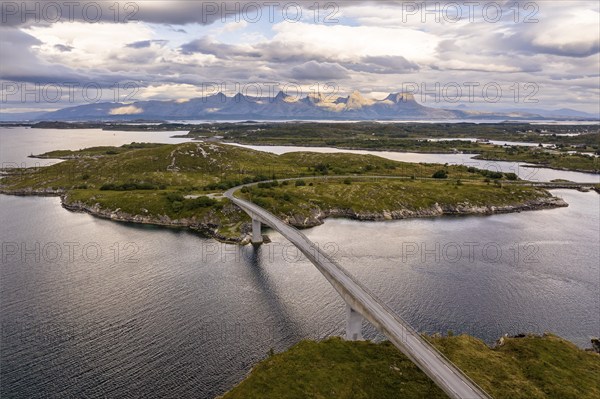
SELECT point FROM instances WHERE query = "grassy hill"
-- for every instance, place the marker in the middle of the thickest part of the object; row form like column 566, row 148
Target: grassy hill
column 181, row 185
column 528, row 367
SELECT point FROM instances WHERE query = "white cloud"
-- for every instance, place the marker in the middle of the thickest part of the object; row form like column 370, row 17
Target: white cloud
column 127, row 110
column 234, row 26
column 573, row 32
column 91, row 47
column 372, row 49
column 179, row 92
column 348, row 43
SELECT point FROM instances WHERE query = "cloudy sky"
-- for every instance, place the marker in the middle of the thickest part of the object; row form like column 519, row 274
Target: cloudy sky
column 490, row 55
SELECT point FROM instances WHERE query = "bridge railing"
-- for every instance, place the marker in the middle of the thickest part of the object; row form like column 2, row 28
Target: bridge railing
column 407, row 328
column 405, row 325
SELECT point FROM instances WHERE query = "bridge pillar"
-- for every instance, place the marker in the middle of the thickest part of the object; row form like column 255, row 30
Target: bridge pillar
column 353, row 324
column 257, row 237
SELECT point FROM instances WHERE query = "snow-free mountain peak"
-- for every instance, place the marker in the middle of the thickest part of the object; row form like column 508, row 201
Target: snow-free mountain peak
column 355, row 106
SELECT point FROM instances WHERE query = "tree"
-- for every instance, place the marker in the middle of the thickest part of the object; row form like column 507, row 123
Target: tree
column 322, row 168
column 440, row 174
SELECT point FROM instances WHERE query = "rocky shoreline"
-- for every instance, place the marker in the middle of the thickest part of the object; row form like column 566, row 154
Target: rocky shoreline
column 317, row 216
column 209, row 226
column 533, row 164
column 476, row 155
column 206, row 227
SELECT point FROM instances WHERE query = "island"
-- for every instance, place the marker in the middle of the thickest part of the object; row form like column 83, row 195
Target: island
column 182, row 185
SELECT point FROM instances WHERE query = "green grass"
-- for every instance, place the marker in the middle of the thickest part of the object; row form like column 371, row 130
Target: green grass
column 408, row 137
column 392, row 195
column 400, row 136
column 530, row 367
column 193, row 166
column 155, row 179
column 558, row 160
column 94, row 152
column 413, row 137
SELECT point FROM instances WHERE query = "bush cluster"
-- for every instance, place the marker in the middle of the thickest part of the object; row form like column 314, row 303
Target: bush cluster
column 227, row 184
column 491, row 174
column 132, row 185
column 178, row 202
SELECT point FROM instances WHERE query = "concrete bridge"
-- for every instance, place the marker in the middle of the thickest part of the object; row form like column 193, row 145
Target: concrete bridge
column 362, row 303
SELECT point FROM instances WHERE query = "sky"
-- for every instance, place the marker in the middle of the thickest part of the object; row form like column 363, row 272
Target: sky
column 479, row 55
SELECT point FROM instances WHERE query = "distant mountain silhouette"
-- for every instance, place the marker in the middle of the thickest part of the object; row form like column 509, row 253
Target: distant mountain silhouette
column 282, row 106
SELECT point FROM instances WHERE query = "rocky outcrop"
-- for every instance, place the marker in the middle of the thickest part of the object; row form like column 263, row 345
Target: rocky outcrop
column 317, row 215
column 49, row 192
column 207, row 226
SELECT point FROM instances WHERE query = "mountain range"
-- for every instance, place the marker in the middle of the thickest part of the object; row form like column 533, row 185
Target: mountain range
column 396, row 106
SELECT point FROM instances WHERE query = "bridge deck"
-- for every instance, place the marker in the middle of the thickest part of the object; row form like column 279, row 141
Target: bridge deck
column 447, row 376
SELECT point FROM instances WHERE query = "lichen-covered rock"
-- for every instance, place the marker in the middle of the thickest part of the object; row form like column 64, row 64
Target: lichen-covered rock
column 207, row 226
column 317, row 215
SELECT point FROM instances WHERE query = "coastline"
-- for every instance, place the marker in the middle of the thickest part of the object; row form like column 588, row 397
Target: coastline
column 476, row 155
column 205, row 228
column 532, row 164
column 317, row 216
column 351, row 148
